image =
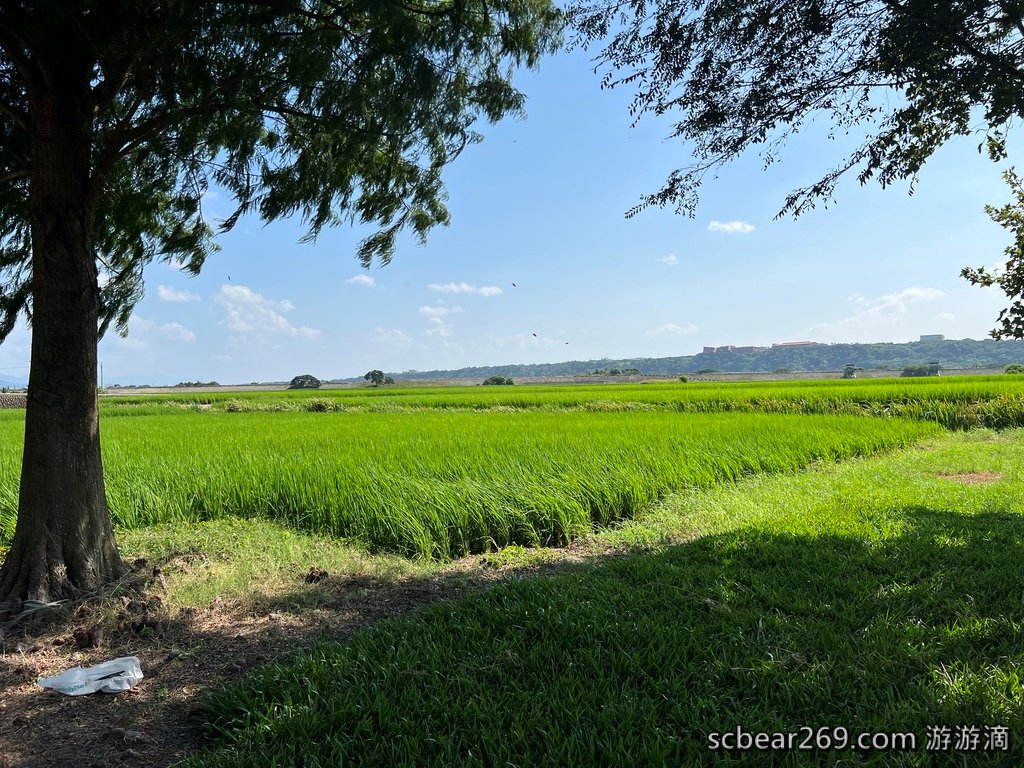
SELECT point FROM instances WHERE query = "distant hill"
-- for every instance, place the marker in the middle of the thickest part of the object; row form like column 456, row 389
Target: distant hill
column 13, row 382
column 949, row 353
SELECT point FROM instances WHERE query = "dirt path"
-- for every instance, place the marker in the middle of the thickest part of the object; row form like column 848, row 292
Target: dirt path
column 183, row 654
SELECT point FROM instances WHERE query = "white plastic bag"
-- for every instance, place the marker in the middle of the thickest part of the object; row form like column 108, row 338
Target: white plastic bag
column 110, row 677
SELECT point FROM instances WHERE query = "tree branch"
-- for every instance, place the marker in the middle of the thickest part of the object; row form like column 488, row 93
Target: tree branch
column 965, row 46
column 13, row 45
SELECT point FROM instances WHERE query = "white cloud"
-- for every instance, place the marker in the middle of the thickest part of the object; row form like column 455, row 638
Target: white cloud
column 894, row 303
column 484, row 290
column 130, row 342
column 167, row 293
column 139, row 328
column 668, row 258
column 176, row 332
column 672, row 329
column 946, row 316
column 250, row 312
column 439, row 311
column 879, row 317
column 440, row 328
column 731, row 227
column 391, row 336
column 142, row 333
column 366, row 280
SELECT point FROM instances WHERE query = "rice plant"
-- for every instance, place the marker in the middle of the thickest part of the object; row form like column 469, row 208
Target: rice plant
column 437, row 484
column 962, row 402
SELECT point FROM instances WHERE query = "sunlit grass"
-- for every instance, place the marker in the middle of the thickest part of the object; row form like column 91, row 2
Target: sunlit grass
column 879, row 595
column 239, row 560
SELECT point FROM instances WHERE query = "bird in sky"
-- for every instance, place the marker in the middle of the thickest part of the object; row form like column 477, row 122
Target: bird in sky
column 514, row 285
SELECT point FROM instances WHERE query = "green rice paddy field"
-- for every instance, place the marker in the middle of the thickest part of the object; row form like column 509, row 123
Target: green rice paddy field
column 955, row 402
column 798, row 554
column 438, row 473
column 840, row 608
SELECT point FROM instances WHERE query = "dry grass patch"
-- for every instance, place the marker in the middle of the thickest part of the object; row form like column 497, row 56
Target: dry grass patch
column 972, row 478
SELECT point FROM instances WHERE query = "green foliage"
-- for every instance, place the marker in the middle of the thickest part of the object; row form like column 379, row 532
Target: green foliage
column 1014, row 368
column 878, row 596
column 305, row 381
column 684, row 378
column 375, row 377
column 1010, row 276
column 932, row 369
column 737, row 76
column 331, row 111
column 498, row 381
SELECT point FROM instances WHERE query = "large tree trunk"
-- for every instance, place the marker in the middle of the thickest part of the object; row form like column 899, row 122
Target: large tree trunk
column 63, row 543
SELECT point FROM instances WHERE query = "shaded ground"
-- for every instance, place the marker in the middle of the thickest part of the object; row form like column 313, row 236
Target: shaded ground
column 186, row 652
column 877, row 618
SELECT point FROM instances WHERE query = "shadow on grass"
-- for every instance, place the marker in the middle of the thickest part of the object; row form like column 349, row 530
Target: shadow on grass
column 633, row 661
column 185, row 655
column 627, row 660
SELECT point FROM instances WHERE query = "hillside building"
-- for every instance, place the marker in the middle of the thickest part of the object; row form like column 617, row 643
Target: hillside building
column 731, row 348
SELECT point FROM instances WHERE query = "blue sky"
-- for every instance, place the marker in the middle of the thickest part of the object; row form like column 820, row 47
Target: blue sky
column 540, row 203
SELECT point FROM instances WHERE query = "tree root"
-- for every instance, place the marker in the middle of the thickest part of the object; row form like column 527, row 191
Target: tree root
column 14, row 612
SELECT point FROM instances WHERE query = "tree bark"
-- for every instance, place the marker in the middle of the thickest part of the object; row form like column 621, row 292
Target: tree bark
column 63, row 542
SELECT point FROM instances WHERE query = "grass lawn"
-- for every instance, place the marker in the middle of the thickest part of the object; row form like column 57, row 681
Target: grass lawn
column 884, row 594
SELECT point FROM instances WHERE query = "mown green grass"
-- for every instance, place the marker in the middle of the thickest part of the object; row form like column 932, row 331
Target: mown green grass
column 955, row 402
column 434, row 484
column 879, row 595
column 243, row 561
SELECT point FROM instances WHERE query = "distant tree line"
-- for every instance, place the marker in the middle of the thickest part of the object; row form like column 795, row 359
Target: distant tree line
column 378, row 378
column 951, row 353
column 932, row 369
column 304, row 381
column 615, row 372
